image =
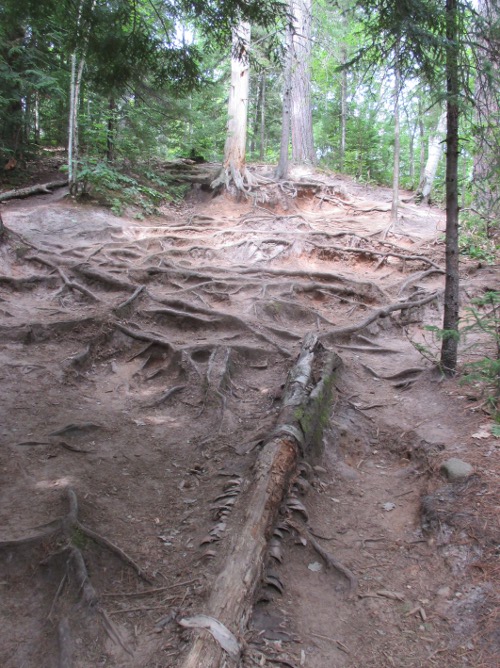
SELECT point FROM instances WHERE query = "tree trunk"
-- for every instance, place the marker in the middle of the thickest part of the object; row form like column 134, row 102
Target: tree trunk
column 395, row 176
column 234, row 169
column 111, row 131
column 449, row 349
column 282, row 168
column 74, row 100
column 71, row 121
column 433, row 157
column 486, row 158
column 421, row 129
column 301, row 113
column 255, row 125
column 36, row 119
column 262, row 146
column 411, row 157
column 343, row 107
column 77, row 67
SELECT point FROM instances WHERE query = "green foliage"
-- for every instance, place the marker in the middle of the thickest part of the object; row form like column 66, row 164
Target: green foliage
column 431, row 348
column 474, row 240
column 117, row 190
column 484, row 316
column 481, row 317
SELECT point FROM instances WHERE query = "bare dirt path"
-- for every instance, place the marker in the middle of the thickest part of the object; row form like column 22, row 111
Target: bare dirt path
column 143, row 366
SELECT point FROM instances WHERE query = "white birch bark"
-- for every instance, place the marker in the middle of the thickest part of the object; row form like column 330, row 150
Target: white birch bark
column 77, row 67
column 433, row 158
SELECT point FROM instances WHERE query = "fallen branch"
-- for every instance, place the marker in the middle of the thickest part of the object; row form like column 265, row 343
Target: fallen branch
column 231, row 598
column 44, row 188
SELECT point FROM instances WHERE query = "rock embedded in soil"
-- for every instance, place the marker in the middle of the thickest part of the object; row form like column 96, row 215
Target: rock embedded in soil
column 456, row 469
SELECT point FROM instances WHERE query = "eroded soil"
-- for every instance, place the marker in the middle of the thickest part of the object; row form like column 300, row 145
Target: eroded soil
column 143, row 364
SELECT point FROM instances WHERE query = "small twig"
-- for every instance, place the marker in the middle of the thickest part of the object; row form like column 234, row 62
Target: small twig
column 147, row 592
column 147, row 609
column 339, row 644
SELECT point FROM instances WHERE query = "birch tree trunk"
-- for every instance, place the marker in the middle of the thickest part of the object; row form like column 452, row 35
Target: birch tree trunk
column 301, row 113
column 77, row 67
column 234, row 171
column 434, row 155
column 411, row 156
column 74, row 100
column 421, row 131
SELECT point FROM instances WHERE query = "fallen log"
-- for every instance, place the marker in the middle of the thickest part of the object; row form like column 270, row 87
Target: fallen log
column 43, row 188
column 301, row 421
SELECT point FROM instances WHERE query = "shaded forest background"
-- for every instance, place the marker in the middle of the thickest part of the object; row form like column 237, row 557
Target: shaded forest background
column 152, row 81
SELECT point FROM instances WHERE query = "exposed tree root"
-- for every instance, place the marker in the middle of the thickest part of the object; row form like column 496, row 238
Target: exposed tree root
column 72, row 285
column 123, row 305
column 139, row 335
column 329, row 559
column 66, row 526
column 65, row 644
column 69, row 528
column 373, row 253
column 365, row 288
column 417, row 277
column 106, row 279
column 335, row 334
column 166, row 395
column 27, row 282
column 405, row 374
column 202, row 317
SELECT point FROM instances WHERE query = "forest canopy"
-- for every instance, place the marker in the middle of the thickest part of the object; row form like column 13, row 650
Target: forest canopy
column 152, row 79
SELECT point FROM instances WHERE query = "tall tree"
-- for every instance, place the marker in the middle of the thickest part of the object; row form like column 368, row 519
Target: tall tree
column 234, row 170
column 432, row 35
column 486, row 158
column 449, row 348
column 397, row 143
column 283, row 163
column 300, row 95
column 83, row 26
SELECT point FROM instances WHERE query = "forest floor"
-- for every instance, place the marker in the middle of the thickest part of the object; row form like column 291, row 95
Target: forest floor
column 143, row 367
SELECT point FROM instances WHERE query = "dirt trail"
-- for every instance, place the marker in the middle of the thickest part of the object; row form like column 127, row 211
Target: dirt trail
column 143, row 365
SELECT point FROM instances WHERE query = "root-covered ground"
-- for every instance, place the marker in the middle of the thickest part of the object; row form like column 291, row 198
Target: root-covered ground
column 144, row 374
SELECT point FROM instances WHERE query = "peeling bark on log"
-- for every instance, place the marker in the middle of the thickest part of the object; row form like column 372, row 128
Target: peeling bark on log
column 44, row 188
column 300, row 422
